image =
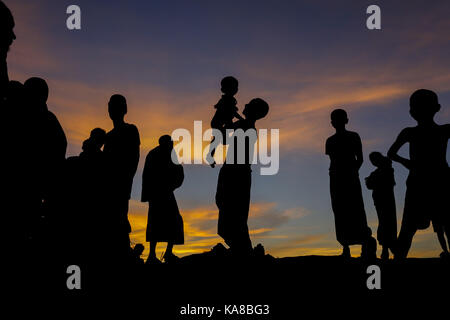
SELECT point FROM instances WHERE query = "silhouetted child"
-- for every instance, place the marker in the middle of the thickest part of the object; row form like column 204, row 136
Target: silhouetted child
column 160, row 177
column 428, row 183
column 382, row 182
column 226, row 111
column 345, row 151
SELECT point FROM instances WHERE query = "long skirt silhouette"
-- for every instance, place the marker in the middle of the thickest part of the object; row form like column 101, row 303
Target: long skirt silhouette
column 348, row 208
column 165, row 223
column 233, row 201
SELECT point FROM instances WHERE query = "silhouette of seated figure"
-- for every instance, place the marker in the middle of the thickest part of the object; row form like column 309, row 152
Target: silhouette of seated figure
column 159, row 180
column 121, row 152
column 382, row 182
column 226, row 111
column 234, row 184
column 7, row 37
column 345, row 151
column 427, row 186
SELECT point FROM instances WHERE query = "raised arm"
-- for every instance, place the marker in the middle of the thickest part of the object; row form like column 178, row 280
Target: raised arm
column 393, row 150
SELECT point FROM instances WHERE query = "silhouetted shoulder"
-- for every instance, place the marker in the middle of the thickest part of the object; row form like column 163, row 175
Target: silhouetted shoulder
column 446, row 129
column 337, row 141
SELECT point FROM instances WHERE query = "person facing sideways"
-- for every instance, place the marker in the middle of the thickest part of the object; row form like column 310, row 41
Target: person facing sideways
column 346, row 157
column 382, row 182
column 7, row 37
column 226, row 111
column 121, row 152
column 160, row 178
column 428, row 183
column 47, row 144
column 234, row 184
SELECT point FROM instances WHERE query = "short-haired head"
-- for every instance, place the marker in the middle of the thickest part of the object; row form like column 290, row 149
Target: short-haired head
column 98, row 137
column 7, row 35
column 256, row 109
column 229, row 85
column 117, row 106
column 423, row 104
column 379, row 160
column 139, row 248
column 339, row 118
column 37, row 90
column 166, row 142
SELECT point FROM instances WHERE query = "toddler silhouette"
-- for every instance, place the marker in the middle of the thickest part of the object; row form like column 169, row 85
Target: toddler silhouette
column 382, row 182
column 226, row 111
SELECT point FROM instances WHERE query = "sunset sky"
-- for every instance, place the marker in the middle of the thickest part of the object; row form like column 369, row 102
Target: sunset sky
column 304, row 58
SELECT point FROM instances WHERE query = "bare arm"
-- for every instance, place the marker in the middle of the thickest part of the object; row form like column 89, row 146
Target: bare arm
column 393, row 150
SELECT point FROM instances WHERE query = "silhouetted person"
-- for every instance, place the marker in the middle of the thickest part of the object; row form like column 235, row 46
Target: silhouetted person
column 7, row 37
column 122, row 155
column 47, row 143
column 226, row 111
column 427, row 186
column 84, row 197
column 382, row 182
column 234, row 184
column 159, row 180
column 345, row 151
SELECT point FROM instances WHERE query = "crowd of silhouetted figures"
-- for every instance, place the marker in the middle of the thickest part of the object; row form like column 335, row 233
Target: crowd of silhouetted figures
column 76, row 208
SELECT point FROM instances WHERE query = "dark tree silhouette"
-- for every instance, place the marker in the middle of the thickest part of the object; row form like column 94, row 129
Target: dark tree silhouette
column 345, row 151
column 382, row 182
column 428, row 180
column 160, row 178
column 234, row 184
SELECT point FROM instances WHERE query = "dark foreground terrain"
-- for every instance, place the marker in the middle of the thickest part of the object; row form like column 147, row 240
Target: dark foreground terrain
column 286, row 286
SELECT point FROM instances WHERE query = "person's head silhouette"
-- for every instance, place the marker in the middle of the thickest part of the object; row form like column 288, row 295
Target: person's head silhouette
column 339, row 119
column 37, row 91
column 7, row 35
column 138, row 249
column 379, row 161
column 256, row 109
column 165, row 142
column 97, row 137
column 229, row 85
column 423, row 105
column 117, row 108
